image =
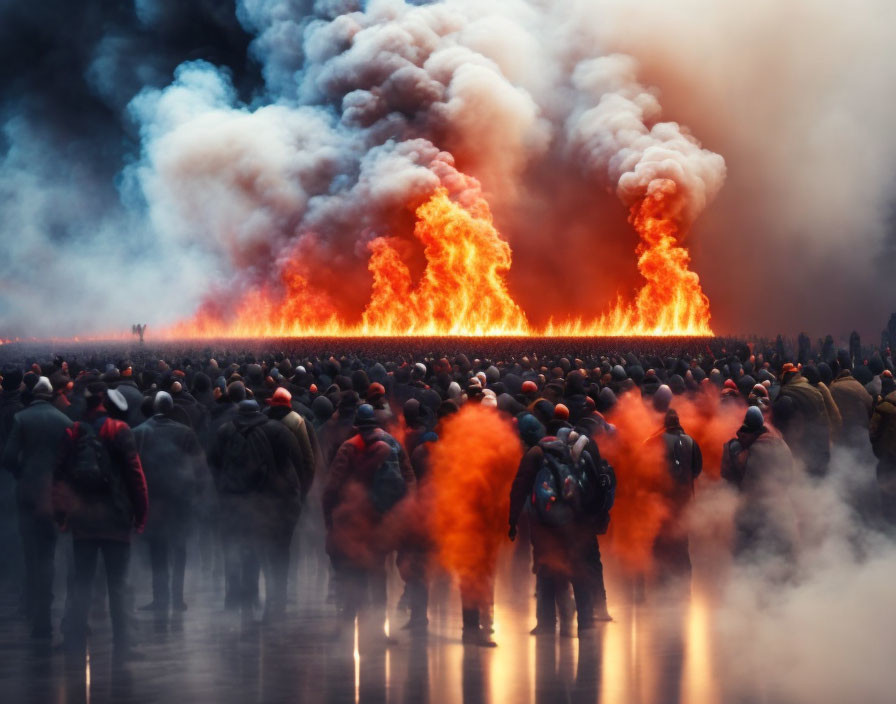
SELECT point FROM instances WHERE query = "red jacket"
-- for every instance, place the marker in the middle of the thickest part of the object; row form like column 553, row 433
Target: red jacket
column 111, row 515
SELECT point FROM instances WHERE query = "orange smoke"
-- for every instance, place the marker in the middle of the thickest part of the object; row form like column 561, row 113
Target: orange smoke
column 644, row 491
column 463, row 289
column 712, row 423
column 641, row 503
column 472, row 467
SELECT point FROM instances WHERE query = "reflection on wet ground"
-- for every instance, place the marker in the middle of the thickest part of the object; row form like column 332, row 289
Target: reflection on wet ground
column 660, row 651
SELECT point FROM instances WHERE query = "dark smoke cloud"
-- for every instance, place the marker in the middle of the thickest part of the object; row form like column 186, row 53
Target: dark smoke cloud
column 162, row 149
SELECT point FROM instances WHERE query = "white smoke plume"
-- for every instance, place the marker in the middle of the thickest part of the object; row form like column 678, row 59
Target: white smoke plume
column 554, row 107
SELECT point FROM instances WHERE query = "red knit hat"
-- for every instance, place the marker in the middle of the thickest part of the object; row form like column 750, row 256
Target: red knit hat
column 281, row 397
column 561, row 412
column 529, row 387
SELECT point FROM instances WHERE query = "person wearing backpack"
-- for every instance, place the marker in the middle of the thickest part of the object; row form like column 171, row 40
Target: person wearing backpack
column 30, row 455
column 174, row 465
column 100, row 495
column 683, row 464
column 563, row 483
column 262, row 481
column 370, row 474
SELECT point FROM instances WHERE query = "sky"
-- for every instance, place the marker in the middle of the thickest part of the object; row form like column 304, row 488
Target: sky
column 155, row 154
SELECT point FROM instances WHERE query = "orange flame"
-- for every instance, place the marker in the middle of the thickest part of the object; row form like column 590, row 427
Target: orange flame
column 463, row 289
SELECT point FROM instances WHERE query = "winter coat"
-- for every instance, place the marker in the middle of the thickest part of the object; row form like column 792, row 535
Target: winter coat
column 111, row 514
column 854, row 403
column 799, row 412
column 10, row 404
column 681, row 474
column 32, row 453
column 134, row 397
column 760, row 465
column 832, row 409
column 279, row 497
column 357, row 532
column 882, row 430
column 174, row 465
column 297, row 426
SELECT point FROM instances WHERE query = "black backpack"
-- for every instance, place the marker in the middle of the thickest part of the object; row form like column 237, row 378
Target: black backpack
column 556, row 495
column 388, row 486
column 246, row 461
column 598, row 493
column 681, row 457
column 89, row 466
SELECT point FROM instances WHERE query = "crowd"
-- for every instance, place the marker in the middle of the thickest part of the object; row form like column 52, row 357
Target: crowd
column 237, row 446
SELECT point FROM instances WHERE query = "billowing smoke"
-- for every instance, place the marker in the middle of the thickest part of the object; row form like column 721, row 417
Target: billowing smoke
column 274, row 165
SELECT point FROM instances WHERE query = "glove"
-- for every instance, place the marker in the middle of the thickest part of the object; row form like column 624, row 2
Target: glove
column 512, row 533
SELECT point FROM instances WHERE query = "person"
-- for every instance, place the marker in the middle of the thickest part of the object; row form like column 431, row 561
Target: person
column 262, row 480
column 100, row 495
column 550, row 555
column 759, row 464
column 174, row 465
column 882, row 433
column 369, row 475
column 567, row 552
column 683, row 462
column 30, row 455
column 799, row 412
column 280, row 409
column 854, row 402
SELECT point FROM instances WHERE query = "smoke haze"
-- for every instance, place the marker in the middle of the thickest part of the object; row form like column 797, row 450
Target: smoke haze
column 156, row 152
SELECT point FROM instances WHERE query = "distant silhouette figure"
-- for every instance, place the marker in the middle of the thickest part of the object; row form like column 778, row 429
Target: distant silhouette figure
column 138, row 330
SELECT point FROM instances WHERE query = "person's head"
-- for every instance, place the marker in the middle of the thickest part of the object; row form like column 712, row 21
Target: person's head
column 670, row 420
column 662, row 398
column 754, row 420
column 95, row 393
column 163, row 403
column 366, row 420
column 281, row 398
column 248, row 407
column 530, row 428
column 12, row 379
column 43, row 389
column 236, row 392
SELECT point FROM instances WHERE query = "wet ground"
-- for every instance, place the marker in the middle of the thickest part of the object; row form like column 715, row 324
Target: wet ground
column 659, row 651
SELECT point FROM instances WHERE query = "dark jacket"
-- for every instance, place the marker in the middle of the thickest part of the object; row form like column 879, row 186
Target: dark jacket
column 799, row 412
column 760, row 465
column 32, row 452
column 174, row 465
column 286, row 482
column 356, row 461
column 357, row 532
column 298, row 427
column 882, row 431
column 10, row 404
column 111, row 515
column 134, row 397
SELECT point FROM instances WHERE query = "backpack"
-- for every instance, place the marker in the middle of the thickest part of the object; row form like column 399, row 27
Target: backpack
column 598, row 490
column 681, row 457
column 246, row 461
column 89, row 466
column 556, row 496
column 388, row 486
